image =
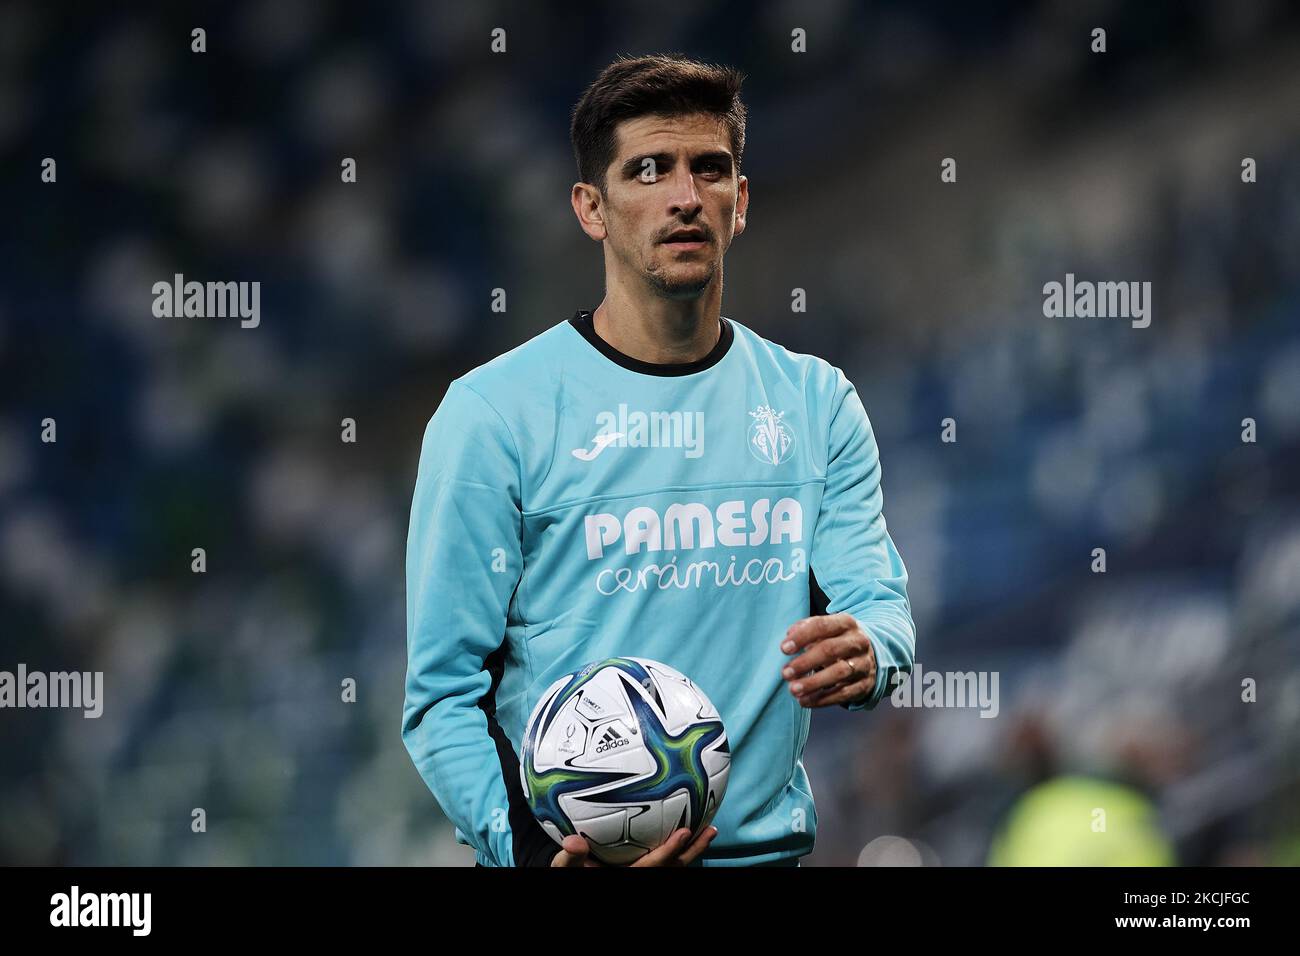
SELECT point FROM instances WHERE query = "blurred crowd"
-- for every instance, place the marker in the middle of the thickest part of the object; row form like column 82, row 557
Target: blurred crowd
column 224, row 688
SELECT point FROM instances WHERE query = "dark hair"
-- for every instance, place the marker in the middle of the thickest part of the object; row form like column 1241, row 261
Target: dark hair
column 663, row 84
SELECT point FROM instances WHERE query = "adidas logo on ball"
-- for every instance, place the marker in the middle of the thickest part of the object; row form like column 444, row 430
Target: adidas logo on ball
column 611, row 740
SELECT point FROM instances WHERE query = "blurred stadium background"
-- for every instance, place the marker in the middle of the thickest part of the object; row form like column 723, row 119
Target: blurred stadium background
column 223, row 688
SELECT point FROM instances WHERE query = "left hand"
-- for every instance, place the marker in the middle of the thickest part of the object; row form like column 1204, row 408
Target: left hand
column 837, row 664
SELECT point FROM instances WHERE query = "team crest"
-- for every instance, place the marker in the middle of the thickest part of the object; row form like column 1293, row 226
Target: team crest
column 770, row 439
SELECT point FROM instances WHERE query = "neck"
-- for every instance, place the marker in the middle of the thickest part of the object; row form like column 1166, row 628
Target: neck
column 657, row 330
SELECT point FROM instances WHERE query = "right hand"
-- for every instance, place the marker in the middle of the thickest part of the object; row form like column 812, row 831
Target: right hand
column 677, row 850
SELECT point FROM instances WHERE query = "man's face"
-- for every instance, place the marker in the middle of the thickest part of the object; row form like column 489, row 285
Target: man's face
column 673, row 175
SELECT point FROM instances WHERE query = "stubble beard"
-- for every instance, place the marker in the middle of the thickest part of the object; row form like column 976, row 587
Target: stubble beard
column 666, row 285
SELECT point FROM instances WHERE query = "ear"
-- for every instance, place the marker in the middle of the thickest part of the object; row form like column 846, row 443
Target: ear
column 742, row 204
column 588, row 207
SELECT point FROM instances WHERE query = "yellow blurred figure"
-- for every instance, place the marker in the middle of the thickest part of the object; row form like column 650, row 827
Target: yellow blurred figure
column 1081, row 821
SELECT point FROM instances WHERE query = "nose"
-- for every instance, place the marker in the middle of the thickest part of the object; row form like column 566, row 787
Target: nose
column 684, row 198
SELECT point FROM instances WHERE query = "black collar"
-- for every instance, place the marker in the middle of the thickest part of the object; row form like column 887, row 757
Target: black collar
column 582, row 322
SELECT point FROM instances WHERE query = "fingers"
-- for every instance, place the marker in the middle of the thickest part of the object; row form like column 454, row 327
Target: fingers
column 679, row 849
column 826, row 663
column 834, row 670
column 840, row 693
column 812, row 629
column 666, row 851
column 698, row 846
column 573, row 852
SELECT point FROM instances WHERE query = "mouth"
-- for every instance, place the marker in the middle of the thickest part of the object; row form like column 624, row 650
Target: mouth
column 686, row 240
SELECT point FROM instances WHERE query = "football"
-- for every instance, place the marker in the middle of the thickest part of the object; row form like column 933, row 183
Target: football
column 623, row 752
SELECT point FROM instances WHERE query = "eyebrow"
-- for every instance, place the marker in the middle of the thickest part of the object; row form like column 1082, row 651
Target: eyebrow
column 634, row 165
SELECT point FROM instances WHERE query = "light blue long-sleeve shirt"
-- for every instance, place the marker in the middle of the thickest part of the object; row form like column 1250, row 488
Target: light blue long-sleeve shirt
column 574, row 504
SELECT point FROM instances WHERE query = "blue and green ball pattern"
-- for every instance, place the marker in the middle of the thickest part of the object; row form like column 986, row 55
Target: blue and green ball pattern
column 678, row 758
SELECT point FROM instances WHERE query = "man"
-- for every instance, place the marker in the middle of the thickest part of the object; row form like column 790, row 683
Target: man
column 649, row 479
